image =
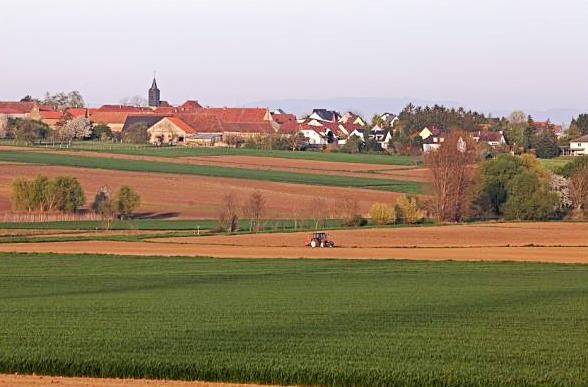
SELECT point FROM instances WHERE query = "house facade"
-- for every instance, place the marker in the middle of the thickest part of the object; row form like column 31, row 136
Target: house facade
column 579, row 146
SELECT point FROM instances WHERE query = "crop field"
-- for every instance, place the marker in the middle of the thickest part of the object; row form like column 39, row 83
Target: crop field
column 69, row 160
column 192, row 196
column 295, row 321
column 147, row 150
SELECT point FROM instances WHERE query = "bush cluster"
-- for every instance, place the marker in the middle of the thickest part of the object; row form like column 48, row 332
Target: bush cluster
column 406, row 211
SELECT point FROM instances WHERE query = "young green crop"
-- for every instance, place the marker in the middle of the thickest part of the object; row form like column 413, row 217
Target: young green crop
column 306, row 322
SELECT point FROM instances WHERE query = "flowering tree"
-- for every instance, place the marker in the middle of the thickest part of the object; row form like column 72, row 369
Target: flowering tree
column 76, row 128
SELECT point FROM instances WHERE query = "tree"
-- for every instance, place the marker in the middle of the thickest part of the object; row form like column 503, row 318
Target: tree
column 319, row 211
column 135, row 100
column 451, row 173
column 255, row 210
column 101, row 132
column 136, row 134
column 408, row 210
column 529, row 199
column 28, row 131
column 61, row 101
column 517, row 117
column 104, row 206
column 75, row 128
column 381, row 213
column 297, row 141
column 579, row 191
column 546, row 146
column 350, row 213
column 127, row 201
column 22, row 196
column 582, row 123
column 229, row 213
column 68, row 193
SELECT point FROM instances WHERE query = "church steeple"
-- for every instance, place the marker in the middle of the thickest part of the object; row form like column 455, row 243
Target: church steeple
column 154, row 99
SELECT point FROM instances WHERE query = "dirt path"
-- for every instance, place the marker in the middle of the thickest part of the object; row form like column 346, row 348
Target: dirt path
column 41, row 381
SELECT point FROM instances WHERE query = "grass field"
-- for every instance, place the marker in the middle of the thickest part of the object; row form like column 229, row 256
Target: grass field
column 147, row 150
column 556, row 163
column 207, row 170
column 295, row 322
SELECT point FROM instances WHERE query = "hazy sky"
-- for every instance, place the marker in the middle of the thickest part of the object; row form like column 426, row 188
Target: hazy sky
column 485, row 54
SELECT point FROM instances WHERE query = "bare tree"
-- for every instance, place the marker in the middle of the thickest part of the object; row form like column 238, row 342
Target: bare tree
column 451, row 173
column 228, row 218
column 579, row 191
column 135, row 100
column 255, row 210
column 319, row 212
column 349, row 210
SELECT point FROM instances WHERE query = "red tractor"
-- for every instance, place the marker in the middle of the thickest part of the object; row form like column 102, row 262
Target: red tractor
column 319, row 239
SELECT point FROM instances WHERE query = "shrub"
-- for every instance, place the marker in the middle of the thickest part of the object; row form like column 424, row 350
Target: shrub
column 408, row 211
column 136, row 134
column 41, row 194
column 381, row 213
column 355, row 221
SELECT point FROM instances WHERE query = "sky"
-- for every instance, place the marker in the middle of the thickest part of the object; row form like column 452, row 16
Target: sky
column 486, row 54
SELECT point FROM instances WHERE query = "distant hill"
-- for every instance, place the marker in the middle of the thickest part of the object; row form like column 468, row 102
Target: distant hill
column 367, row 106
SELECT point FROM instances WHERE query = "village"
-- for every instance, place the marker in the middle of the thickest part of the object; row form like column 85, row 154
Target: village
column 191, row 124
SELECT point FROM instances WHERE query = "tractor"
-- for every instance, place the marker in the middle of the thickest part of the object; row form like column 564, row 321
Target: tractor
column 319, row 239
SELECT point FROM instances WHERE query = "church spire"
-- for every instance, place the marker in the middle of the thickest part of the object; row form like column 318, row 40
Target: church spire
column 154, row 97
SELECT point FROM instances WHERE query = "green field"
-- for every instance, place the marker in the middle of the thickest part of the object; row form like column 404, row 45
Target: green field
column 208, row 170
column 556, row 163
column 326, row 322
column 167, row 151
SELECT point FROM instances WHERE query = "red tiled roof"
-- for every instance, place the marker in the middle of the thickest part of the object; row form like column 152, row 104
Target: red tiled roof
column 189, row 105
column 8, row 110
column 488, row 136
column 202, row 122
column 283, row 118
column 50, row 115
column 238, row 114
column 78, row 112
column 122, row 108
column 181, row 124
column 23, row 107
column 114, row 117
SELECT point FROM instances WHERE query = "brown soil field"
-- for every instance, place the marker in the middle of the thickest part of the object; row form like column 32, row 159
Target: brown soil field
column 40, row 381
column 195, row 196
column 269, row 163
column 552, row 242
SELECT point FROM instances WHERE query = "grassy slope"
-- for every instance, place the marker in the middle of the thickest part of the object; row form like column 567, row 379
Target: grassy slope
column 206, row 170
column 146, row 150
column 295, row 321
column 556, row 163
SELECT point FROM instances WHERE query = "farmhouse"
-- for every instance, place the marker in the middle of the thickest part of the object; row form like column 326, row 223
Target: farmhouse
column 493, row 139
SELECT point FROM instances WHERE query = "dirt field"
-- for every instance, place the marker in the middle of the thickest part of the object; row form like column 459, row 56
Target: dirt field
column 542, row 242
column 41, row 381
column 195, row 196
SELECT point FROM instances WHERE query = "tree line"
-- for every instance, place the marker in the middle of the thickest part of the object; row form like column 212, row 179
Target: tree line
column 65, row 194
column 466, row 186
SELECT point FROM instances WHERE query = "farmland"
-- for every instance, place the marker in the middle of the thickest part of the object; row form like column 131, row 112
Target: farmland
column 171, row 152
column 69, row 160
column 295, row 321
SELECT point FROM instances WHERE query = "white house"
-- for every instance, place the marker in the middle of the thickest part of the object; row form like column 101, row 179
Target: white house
column 389, row 118
column 350, row 118
column 579, row 146
column 493, row 139
column 314, row 136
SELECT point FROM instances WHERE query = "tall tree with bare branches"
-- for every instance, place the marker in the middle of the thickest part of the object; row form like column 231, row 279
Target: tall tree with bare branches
column 229, row 213
column 451, row 171
column 255, row 210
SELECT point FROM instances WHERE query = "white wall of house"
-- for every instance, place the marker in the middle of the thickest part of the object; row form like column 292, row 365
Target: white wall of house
column 578, row 148
column 314, row 137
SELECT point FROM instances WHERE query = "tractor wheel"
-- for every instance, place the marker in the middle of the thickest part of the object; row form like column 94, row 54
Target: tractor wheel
column 313, row 243
column 322, row 244
column 331, row 244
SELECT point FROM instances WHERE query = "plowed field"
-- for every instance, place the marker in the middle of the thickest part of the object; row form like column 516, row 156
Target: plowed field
column 544, row 242
column 187, row 196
